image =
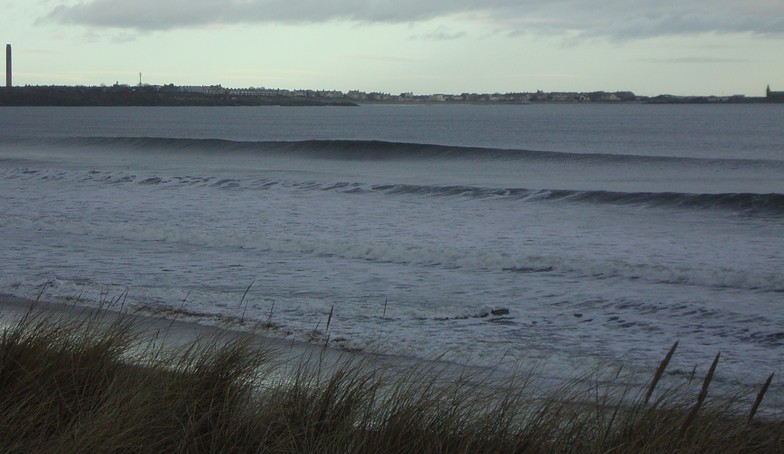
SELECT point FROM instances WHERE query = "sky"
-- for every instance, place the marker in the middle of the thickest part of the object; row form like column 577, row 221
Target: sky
column 650, row 47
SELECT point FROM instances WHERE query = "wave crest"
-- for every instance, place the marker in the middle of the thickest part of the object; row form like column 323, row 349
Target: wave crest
column 339, row 149
column 745, row 203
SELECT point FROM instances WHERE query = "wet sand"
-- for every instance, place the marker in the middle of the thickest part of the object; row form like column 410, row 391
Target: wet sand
column 167, row 332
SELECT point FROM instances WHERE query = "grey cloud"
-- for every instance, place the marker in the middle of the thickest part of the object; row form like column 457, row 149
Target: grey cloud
column 161, row 15
column 613, row 19
column 441, row 34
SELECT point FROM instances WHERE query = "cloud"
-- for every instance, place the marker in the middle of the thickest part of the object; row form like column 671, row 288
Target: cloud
column 441, row 34
column 611, row 19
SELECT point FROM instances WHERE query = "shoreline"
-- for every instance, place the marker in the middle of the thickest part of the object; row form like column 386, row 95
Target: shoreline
column 173, row 333
column 171, row 95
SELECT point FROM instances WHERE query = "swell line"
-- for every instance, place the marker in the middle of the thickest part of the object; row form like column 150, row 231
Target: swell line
column 772, row 203
column 365, row 150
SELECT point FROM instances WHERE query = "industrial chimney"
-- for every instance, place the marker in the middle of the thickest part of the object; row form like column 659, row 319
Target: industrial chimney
column 8, row 66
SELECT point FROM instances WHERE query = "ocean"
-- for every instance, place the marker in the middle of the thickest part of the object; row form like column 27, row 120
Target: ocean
column 568, row 236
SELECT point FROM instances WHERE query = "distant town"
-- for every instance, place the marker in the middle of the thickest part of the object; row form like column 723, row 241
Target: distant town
column 217, row 95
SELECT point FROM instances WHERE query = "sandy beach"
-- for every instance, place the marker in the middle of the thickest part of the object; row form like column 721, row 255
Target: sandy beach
column 172, row 334
column 169, row 333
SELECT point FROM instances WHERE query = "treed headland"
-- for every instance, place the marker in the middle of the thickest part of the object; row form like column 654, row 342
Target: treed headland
column 216, row 95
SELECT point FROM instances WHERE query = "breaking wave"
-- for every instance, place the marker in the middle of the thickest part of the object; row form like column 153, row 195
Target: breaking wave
column 746, row 203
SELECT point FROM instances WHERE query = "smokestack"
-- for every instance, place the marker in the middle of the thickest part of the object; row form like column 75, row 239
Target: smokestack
column 8, row 66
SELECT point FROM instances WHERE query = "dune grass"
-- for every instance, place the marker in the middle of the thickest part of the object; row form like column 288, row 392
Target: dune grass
column 94, row 384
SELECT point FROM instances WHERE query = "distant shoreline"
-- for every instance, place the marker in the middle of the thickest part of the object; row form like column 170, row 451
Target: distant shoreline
column 133, row 97
column 171, row 96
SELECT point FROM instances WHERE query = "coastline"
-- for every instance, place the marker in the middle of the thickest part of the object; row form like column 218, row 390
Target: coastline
column 148, row 97
column 172, row 96
column 172, row 333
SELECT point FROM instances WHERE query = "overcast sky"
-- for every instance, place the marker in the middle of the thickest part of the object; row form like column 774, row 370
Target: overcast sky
column 422, row 46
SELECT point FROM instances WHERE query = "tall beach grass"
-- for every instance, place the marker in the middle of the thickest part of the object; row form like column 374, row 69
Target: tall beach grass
column 96, row 383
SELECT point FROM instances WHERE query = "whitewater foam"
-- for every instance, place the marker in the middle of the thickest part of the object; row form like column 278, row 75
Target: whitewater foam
column 746, row 203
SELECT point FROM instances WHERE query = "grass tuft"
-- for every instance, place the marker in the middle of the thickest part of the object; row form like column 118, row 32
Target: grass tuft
column 94, row 384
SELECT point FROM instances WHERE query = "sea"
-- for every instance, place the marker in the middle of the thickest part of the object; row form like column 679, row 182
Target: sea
column 573, row 237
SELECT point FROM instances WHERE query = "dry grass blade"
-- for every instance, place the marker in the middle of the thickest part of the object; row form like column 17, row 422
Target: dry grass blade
column 242, row 300
column 659, row 372
column 329, row 321
column 701, row 397
column 760, row 396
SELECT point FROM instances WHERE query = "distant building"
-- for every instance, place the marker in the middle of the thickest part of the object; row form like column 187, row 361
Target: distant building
column 777, row 96
column 203, row 89
column 8, row 71
column 252, row 92
column 356, row 94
